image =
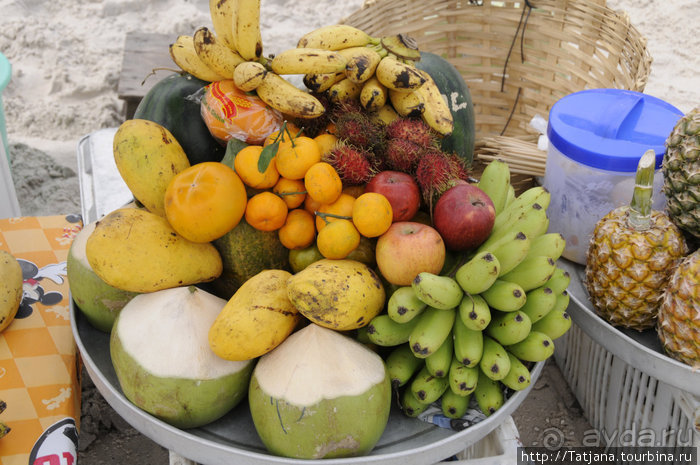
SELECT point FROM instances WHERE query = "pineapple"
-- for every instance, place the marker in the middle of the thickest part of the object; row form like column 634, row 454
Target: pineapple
column 631, row 255
column 679, row 314
column 681, row 171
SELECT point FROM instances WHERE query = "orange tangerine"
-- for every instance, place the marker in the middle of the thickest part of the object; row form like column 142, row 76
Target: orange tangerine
column 299, row 230
column 323, row 183
column 292, row 191
column 310, row 205
column 326, row 142
column 266, row 211
column 205, row 201
column 338, row 239
column 341, row 207
column 291, row 129
column 295, row 157
column 246, row 165
column 372, row 214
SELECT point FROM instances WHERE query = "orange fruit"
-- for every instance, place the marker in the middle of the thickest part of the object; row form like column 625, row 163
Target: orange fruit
column 323, row 183
column 326, row 142
column 246, row 165
column 338, row 239
column 291, row 129
column 341, row 207
column 205, row 201
column 292, row 191
column 295, row 157
column 310, row 205
column 299, row 230
column 372, row 214
column 266, row 211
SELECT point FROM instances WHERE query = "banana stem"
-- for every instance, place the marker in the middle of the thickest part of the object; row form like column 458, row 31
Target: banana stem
column 640, row 206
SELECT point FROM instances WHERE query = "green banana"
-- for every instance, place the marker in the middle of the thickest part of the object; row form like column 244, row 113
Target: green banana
column 488, row 394
column 532, row 272
column 505, row 296
column 437, row 291
column 539, row 302
column 509, row 251
column 474, row 312
column 554, row 324
column 468, row 344
column 410, row 405
column 454, row 405
column 431, row 329
column 533, row 195
column 536, row 347
column 562, row 302
column 428, row 388
column 559, row 281
column 509, row 327
column 403, row 305
column 479, row 273
column 518, row 378
column 385, row 332
column 510, row 197
column 462, row 378
column 494, row 362
column 531, row 221
column 401, row 365
column 495, row 181
column 438, row 363
column 550, row 244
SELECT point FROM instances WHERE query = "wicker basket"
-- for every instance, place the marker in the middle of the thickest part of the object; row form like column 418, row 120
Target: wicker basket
column 518, row 58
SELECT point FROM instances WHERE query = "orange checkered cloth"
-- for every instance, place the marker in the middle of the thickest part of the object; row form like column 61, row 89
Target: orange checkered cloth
column 39, row 363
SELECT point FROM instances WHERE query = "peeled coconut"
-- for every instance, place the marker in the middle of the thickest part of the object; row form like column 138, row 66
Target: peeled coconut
column 160, row 352
column 320, row 394
column 97, row 300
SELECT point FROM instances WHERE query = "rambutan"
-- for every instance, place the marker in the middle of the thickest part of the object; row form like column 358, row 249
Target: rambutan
column 412, row 129
column 402, row 155
column 436, row 172
column 353, row 164
column 357, row 128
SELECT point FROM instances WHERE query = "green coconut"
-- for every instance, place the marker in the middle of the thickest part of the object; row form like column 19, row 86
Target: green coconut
column 97, row 300
column 318, row 395
column 160, row 352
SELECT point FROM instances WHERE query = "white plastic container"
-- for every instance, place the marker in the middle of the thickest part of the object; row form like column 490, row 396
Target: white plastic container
column 596, row 138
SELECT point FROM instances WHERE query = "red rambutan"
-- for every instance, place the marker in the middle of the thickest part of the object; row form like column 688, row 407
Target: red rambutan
column 358, row 129
column 412, row 129
column 354, row 165
column 402, row 155
column 436, row 172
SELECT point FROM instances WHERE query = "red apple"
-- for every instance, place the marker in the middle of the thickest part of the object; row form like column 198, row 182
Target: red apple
column 408, row 248
column 464, row 217
column 400, row 189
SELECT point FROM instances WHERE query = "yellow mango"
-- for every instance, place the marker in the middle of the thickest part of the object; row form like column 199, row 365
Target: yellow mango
column 135, row 250
column 148, row 156
column 337, row 294
column 256, row 319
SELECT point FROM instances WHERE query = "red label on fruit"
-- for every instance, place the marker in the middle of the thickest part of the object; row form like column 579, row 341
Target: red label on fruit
column 229, row 102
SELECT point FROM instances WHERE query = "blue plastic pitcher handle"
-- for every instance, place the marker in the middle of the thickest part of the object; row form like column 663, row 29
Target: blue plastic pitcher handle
column 624, row 110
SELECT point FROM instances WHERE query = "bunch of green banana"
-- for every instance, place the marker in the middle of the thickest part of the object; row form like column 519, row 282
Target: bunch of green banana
column 475, row 329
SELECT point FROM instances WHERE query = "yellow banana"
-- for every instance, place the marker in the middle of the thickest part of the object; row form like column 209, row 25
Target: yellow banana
column 246, row 29
column 222, row 19
column 308, row 61
column 184, row 55
column 373, row 95
column 397, row 75
column 361, row 62
column 406, row 103
column 322, row 82
column 344, row 90
column 282, row 95
column 335, row 37
column 437, row 113
column 249, row 75
column 215, row 54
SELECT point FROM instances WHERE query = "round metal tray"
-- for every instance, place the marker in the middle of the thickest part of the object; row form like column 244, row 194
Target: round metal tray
column 640, row 349
column 233, row 439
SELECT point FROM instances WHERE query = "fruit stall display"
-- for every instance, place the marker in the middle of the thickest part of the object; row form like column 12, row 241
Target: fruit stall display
column 315, row 267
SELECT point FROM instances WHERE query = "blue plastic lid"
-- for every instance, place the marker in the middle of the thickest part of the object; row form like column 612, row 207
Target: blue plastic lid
column 610, row 129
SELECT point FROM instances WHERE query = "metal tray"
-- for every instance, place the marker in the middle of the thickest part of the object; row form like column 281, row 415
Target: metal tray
column 642, row 350
column 233, row 438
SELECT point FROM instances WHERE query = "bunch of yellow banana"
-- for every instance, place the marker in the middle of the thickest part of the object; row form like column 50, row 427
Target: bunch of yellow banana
column 472, row 331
